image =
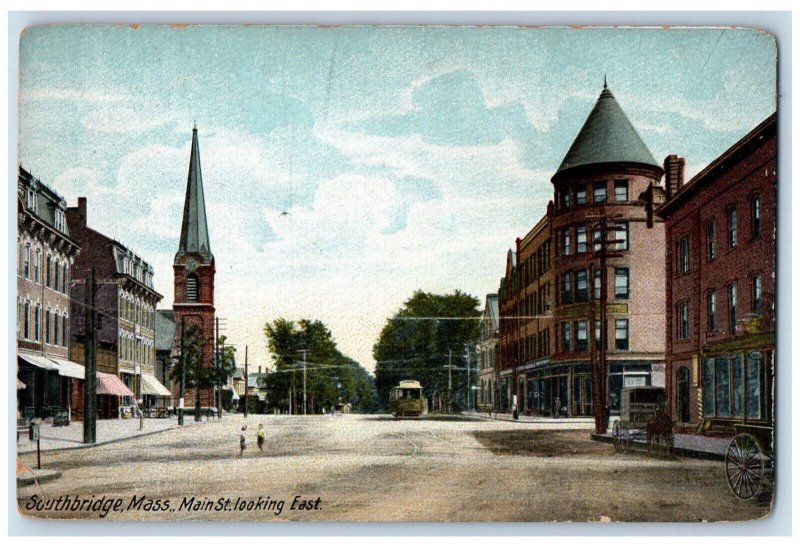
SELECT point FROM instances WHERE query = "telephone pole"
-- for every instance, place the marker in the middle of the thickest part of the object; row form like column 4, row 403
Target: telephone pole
column 218, row 365
column 183, row 372
column 246, row 379
column 90, row 377
column 305, row 408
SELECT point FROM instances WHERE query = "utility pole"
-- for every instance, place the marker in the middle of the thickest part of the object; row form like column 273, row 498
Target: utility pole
column 469, row 391
column 305, row 409
column 90, row 378
column 183, row 372
column 218, row 366
column 449, row 380
column 245, row 381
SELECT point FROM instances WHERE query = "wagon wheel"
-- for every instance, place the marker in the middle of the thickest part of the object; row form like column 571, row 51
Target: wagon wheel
column 744, row 466
column 616, row 435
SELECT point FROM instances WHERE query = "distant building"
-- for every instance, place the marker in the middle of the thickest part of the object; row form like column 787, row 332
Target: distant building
column 45, row 255
column 257, row 388
column 164, row 342
column 720, row 298
column 487, row 353
column 193, row 269
column 125, row 301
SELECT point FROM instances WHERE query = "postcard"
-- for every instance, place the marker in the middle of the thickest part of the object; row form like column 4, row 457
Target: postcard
column 396, row 273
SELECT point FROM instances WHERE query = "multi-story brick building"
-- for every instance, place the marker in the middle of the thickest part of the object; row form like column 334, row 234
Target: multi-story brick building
column 487, row 354
column 125, row 300
column 605, row 189
column 720, row 298
column 45, row 254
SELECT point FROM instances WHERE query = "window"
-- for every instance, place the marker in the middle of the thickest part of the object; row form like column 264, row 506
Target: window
column 582, row 285
column 26, row 261
column 581, row 336
column 596, row 239
column 36, row 266
column 600, row 192
column 580, row 194
column 64, row 330
column 47, row 326
column 580, row 239
column 598, row 283
column 192, row 288
column 682, row 316
column 565, row 201
column 27, row 320
column 566, row 288
column 58, row 269
column 711, row 310
column 683, row 255
column 48, row 272
column 621, row 282
column 621, row 190
column 566, row 336
column 732, row 307
column 37, row 318
column 621, row 334
column 733, row 228
column 55, row 336
column 565, row 235
column 622, row 236
column 64, row 278
column 597, row 331
column 755, row 216
column 711, row 240
column 756, row 295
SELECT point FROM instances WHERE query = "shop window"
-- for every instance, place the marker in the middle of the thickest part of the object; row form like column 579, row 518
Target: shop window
column 755, row 386
column 621, row 334
column 722, row 387
column 600, row 192
column 621, row 283
column 621, row 190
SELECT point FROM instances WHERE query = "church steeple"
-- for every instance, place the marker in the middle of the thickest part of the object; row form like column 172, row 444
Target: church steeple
column 194, row 230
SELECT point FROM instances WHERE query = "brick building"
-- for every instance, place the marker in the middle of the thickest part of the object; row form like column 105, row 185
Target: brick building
column 45, row 254
column 194, row 270
column 487, row 354
column 125, row 302
column 720, row 297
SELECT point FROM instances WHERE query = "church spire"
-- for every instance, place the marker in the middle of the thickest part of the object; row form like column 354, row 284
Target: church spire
column 194, row 230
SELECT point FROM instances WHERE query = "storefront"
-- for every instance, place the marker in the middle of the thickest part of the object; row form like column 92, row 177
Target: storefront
column 154, row 394
column 51, row 386
column 738, row 386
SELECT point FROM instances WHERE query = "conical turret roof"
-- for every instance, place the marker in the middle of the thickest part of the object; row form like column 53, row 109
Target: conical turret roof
column 194, row 230
column 607, row 136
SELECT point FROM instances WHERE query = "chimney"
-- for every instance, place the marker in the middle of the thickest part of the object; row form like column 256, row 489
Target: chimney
column 674, row 167
column 550, row 208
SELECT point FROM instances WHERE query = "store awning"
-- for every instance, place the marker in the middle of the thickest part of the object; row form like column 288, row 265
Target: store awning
column 108, row 384
column 39, row 361
column 151, row 386
column 70, row 368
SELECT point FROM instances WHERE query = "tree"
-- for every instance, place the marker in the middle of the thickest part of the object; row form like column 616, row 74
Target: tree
column 331, row 376
column 427, row 333
column 197, row 375
column 225, row 366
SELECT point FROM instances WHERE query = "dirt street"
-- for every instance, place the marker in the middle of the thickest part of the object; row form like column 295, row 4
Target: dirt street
column 375, row 468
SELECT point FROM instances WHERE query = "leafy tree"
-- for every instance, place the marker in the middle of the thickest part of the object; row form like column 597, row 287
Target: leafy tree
column 197, row 375
column 331, row 377
column 427, row 333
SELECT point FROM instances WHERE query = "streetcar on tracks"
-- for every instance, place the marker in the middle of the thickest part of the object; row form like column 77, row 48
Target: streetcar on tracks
column 406, row 399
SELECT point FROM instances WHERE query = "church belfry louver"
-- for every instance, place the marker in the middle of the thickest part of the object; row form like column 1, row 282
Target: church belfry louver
column 194, row 271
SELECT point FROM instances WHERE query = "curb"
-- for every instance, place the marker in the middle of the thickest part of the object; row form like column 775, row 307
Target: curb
column 33, row 479
column 688, row 452
column 532, row 422
column 81, row 446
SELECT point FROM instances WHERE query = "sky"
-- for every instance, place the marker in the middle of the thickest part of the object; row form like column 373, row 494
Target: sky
column 406, row 157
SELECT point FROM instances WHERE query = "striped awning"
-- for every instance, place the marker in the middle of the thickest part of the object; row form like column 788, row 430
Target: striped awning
column 109, row 384
column 151, row 386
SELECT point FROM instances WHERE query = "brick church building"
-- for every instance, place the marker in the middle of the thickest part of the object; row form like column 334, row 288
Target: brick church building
column 194, row 270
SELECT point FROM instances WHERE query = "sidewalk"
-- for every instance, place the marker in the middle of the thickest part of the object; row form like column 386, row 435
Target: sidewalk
column 108, row 431
column 693, row 446
column 581, row 422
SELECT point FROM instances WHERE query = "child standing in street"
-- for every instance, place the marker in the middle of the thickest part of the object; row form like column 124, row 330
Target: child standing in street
column 242, row 440
column 261, row 436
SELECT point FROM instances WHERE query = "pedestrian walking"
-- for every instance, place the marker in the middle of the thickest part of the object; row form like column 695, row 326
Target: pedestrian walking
column 261, row 436
column 515, row 411
column 242, row 440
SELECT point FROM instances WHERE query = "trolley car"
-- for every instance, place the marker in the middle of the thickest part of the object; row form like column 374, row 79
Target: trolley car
column 643, row 417
column 406, row 399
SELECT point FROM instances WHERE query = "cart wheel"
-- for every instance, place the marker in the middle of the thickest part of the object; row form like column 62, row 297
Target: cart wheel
column 616, row 435
column 744, row 466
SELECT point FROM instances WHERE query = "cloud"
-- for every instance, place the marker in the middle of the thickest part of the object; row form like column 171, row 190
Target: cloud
column 115, row 119
column 75, row 95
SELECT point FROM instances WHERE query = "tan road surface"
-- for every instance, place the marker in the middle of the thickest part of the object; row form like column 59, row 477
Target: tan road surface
column 375, row 468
